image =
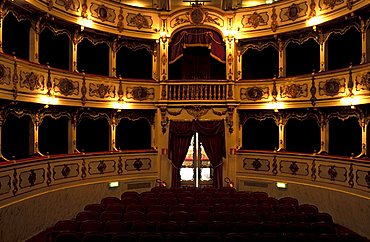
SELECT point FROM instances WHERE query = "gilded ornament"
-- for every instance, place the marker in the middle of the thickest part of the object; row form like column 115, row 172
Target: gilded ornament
column 294, row 167
column 332, row 173
column 138, row 164
column 274, row 23
column 139, row 21
column 31, row 81
column 364, row 82
column 68, row 4
column 32, row 177
column 253, row 93
column 140, row 93
column 4, row 75
column 66, row 87
column 120, row 20
column 293, row 91
column 255, row 19
column 197, row 15
column 101, row 167
column 66, row 171
column 332, row 87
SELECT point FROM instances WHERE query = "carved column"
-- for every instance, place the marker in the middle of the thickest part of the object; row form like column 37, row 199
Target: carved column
column 34, row 136
column 155, row 63
column 239, row 69
column 165, row 167
column 324, row 134
column 163, row 51
column 2, row 120
column 112, row 133
column 1, row 25
column 113, row 59
column 365, row 41
column 230, row 57
column 282, row 58
column 363, row 124
column 73, row 52
column 34, row 35
column 323, row 52
column 72, row 148
column 282, row 133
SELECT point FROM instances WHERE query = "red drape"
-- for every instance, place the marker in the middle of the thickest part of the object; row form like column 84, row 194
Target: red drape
column 212, row 136
column 197, row 37
column 178, row 144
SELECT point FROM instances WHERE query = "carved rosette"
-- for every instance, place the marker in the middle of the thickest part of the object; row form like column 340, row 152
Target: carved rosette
column 31, row 81
column 102, row 12
column 102, row 91
column 140, row 93
column 332, row 87
column 294, row 91
column 293, row 12
column 255, row 20
column 254, row 93
column 139, row 21
column 138, row 164
column 66, row 86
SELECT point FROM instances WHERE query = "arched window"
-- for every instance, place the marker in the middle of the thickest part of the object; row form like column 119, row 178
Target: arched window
column 93, row 58
column 133, row 134
column 302, row 135
column 53, row 136
column 258, row 64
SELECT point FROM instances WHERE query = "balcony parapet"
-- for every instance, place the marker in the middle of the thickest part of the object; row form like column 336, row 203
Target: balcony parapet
column 329, row 172
column 26, row 178
column 257, row 21
column 29, row 82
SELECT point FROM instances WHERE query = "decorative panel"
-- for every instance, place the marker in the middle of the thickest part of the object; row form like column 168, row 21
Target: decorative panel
column 333, row 173
column 69, row 4
column 138, row 164
column 293, row 12
column 332, row 87
column 5, row 75
column 5, row 184
column 254, row 93
column 102, row 12
column 325, row 4
column 66, row 86
column 31, row 177
column 363, row 81
column 254, row 20
column 256, row 164
column 139, row 21
column 294, row 168
column 65, row 171
column 140, row 93
column 363, row 178
column 102, row 91
column 31, row 81
column 102, row 167
column 293, row 91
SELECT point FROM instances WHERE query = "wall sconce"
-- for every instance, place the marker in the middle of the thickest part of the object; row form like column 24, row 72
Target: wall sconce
column 275, row 105
column 119, row 105
column 163, row 35
column 48, row 100
column 350, row 100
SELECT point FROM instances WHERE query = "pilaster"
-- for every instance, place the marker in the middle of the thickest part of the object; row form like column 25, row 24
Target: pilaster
column 113, row 59
column 34, row 35
column 282, row 58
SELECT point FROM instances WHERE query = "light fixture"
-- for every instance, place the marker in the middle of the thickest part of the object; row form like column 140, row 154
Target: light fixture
column 113, row 184
column 350, row 100
column 281, row 185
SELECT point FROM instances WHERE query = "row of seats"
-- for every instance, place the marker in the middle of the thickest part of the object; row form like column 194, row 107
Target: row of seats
column 212, row 237
column 193, row 226
column 181, row 216
column 223, row 213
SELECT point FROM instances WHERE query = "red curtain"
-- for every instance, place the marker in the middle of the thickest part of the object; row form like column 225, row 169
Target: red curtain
column 178, row 144
column 197, row 37
column 212, row 136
